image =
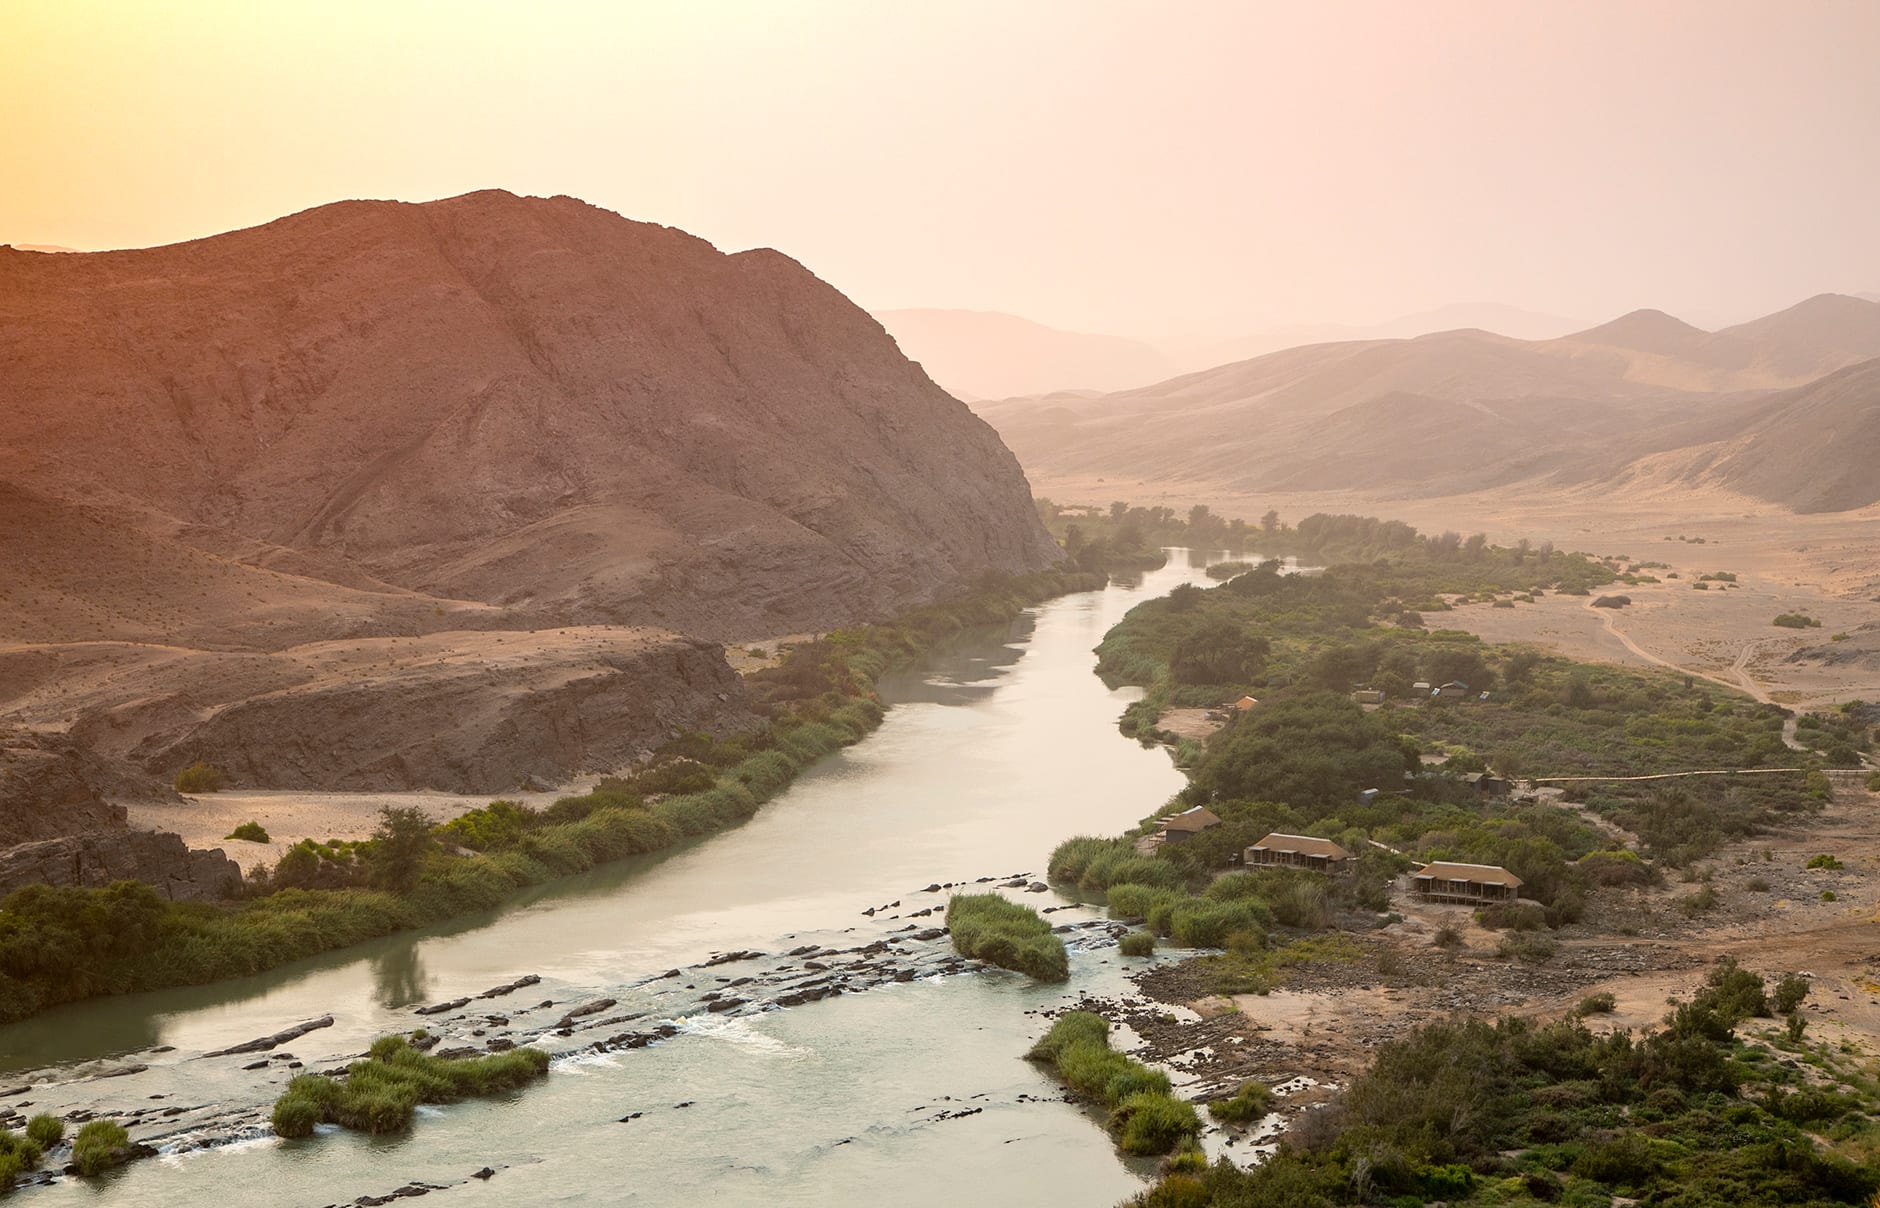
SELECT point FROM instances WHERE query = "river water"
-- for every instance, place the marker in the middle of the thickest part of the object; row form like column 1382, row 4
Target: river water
column 1001, row 745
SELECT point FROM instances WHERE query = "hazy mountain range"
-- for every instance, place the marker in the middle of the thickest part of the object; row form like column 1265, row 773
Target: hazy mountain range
column 987, row 355
column 1785, row 407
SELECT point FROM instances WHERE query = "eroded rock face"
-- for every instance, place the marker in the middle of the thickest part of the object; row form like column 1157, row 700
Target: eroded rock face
column 98, row 858
column 47, row 790
column 505, row 712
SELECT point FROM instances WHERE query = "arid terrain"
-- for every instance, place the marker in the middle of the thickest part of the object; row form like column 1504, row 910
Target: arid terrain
column 1326, row 1018
column 459, row 496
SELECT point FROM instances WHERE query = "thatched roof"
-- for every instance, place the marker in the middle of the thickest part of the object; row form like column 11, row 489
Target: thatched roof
column 1199, row 818
column 1480, row 874
column 1305, row 845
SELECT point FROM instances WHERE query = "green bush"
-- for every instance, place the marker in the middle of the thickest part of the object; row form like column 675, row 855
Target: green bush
column 1796, row 620
column 100, row 1145
column 45, row 1130
column 1137, row 943
column 18, row 1154
column 381, row 1092
column 1601, row 1003
column 199, row 777
column 1824, row 861
column 1152, row 1122
column 251, row 832
column 1253, row 1101
column 987, row 927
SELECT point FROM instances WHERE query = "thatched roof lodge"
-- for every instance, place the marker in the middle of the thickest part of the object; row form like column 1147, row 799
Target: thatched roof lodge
column 1445, row 882
column 1297, row 851
column 1187, row 824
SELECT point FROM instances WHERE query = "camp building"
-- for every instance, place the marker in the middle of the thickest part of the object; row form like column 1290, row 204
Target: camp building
column 1187, row 824
column 1297, row 851
column 1445, row 882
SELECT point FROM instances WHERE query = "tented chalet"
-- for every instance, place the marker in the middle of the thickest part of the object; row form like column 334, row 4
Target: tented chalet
column 1298, row 851
column 1444, row 882
column 1187, row 824
column 1245, row 703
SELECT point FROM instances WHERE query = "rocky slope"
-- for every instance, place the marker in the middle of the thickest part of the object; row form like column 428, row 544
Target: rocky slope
column 512, row 401
column 454, row 495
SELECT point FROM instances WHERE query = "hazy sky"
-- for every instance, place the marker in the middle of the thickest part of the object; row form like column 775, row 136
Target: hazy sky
column 1163, row 170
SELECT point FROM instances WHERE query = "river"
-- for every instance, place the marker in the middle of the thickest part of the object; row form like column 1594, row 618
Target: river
column 999, row 746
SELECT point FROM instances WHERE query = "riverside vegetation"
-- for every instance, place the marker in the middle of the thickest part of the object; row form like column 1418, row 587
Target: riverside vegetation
column 990, row 928
column 1142, row 1113
column 1701, row 1112
column 380, row 1093
column 63, row 944
column 1511, row 1112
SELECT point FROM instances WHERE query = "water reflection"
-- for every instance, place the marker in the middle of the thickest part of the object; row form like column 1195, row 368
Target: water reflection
column 398, row 976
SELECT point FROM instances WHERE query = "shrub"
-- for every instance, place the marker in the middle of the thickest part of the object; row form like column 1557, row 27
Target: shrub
column 1447, row 937
column 295, row 1115
column 1612, row 601
column 100, row 1145
column 45, row 1131
column 1253, row 1101
column 1137, row 943
column 251, row 832
column 1790, row 992
column 199, row 777
column 1601, row 1003
column 1824, row 861
column 1152, row 1122
column 1796, row 620
column 1535, row 949
column 987, row 927
column 18, row 1154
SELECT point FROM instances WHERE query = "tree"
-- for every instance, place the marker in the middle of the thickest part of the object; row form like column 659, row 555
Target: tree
column 1219, row 652
column 1463, row 664
column 1270, row 522
column 1475, row 547
column 1118, row 510
column 400, row 846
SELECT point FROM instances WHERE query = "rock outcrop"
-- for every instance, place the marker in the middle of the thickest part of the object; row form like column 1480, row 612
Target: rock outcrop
column 98, row 858
column 47, row 789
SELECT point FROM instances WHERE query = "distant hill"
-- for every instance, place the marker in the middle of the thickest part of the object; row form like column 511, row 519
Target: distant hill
column 40, row 247
column 1492, row 317
column 1466, row 410
column 983, row 354
column 1812, row 449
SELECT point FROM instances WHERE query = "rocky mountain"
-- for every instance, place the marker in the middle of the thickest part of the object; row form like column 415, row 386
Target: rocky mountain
column 983, row 354
column 1467, row 410
column 308, row 495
